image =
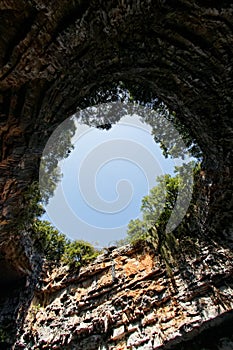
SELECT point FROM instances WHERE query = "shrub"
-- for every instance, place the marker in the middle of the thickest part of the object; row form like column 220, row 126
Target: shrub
column 79, row 253
column 58, row 249
column 51, row 241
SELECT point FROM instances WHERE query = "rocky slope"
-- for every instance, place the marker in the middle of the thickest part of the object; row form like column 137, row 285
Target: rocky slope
column 126, row 299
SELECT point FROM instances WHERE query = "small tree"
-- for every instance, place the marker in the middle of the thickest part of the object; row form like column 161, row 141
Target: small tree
column 137, row 230
column 52, row 242
column 58, row 249
column 79, row 253
column 157, row 208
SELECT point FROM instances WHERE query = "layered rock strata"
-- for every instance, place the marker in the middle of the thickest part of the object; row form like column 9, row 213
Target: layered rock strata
column 126, row 299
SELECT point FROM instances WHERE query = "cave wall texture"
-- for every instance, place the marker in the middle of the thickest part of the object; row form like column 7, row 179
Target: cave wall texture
column 53, row 54
column 127, row 300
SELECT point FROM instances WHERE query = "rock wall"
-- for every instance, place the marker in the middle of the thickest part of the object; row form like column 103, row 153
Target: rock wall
column 53, row 55
column 127, row 300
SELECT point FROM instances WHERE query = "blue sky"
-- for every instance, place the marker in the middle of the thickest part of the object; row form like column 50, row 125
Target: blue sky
column 104, row 180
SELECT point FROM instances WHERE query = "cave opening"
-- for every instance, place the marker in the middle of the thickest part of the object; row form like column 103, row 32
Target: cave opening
column 85, row 178
column 183, row 53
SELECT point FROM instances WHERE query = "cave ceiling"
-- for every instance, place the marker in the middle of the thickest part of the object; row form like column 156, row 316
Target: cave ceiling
column 54, row 54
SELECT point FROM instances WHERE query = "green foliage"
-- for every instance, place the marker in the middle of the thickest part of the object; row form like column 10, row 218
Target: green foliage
column 33, row 199
column 58, row 148
column 79, row 253
column 176, row 141
column 137, row 230
column 35, row 309
column 58, row 249
column 157, row 208
column 33, row 206
column 51, row 241
column 2, row 335
column 172, row 140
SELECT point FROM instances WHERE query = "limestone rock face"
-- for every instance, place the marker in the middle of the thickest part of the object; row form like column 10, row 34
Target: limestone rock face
column 54, row 54
column 127, row 300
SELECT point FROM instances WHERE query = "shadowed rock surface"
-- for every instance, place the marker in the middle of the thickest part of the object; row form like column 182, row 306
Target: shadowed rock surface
column 53, row 55
column 137, row 307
